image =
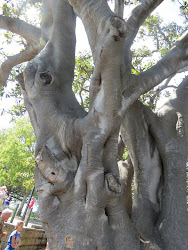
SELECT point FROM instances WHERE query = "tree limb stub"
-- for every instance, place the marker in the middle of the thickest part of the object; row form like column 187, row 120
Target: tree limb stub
column 119, row 7
column 113, row 183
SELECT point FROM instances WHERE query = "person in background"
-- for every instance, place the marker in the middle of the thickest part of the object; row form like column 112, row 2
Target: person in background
column 31, row 203
column 3, row 193
column 30, row 207
column 8, row 201
column 6, row 213
column 15, row 236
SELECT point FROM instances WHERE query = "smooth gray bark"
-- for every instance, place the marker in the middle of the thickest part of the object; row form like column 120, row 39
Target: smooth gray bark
column 84, row 196
column 158, row 143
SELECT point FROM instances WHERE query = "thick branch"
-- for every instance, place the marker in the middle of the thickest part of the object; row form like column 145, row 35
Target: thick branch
column 156, row 94
column 171, row 63
column 59, row 53
column 183, row 70
column 27, row 31
column 26, row 55
column 119, row 7
column 94, row 15
column 146, row 161
column 15, row 25
column 170, row 130
column 138, row 16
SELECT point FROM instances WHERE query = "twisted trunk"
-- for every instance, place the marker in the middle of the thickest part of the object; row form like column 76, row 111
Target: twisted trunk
column 84, row 196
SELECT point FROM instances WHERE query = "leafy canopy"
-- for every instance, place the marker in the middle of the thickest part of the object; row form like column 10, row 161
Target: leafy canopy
column 16, row 157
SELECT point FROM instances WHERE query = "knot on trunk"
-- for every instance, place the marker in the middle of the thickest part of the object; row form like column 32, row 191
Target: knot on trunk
column 59, row 177
column 119, row 28
column 45, row 77
column 113, row 183
column 114, row 28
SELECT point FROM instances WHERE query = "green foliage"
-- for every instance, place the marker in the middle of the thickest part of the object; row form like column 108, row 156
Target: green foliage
column 18, row 8
column 1, row 91
column 162, row 35
column 125, row 154
column 162, row 38
column 18, row 109
column 28, row 11
column 6, row 9
column 82, row 75
column 16, row 157
column 183, row 7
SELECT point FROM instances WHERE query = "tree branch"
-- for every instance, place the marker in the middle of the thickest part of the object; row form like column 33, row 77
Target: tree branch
column 59, row 52
column 183, row 70
column 164, row 36
column 35, row 1
column 27, row 31
column 141, row 145
column 171, row 63
column 169, row 129
column 26, row 55
column 93, row 13
column 15, row 25
column 119, row 7
column 138, row 16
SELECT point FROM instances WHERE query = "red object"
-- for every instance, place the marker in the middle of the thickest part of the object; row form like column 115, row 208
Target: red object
column 31, row 203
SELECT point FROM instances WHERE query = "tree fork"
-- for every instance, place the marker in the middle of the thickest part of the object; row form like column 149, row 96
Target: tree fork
column 77, row 176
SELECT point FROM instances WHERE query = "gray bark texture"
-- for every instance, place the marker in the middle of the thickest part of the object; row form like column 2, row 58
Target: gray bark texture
column 83, row 186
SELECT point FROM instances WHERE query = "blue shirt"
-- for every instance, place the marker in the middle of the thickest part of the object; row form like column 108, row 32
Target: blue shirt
column 17, row 237
column 8, row 199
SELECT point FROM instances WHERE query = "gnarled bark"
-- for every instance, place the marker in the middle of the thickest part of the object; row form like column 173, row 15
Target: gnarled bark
column 158, row 143
column 82, row 191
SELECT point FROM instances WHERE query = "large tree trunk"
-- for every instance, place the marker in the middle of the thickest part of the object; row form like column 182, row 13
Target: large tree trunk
column 84, row 199
column 158, row 146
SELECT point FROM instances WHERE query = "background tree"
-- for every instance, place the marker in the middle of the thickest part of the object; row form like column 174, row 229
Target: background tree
column 83, row 193
column 16, row 159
